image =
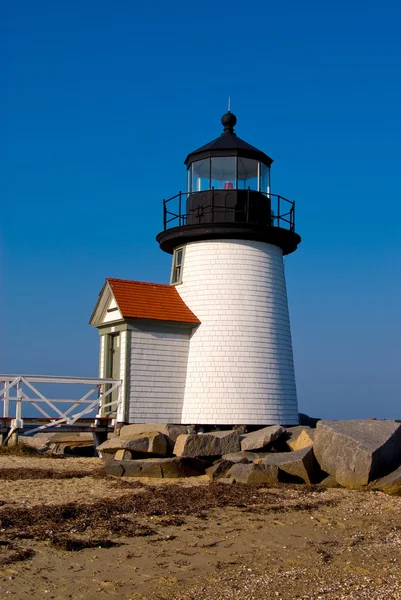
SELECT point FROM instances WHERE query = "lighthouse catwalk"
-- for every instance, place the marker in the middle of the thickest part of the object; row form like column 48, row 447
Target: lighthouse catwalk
column 213, row 347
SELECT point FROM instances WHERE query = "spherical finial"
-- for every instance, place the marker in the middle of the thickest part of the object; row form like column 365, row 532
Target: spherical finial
column 229, row 120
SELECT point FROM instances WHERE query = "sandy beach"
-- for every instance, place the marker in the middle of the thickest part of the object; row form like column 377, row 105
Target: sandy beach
column 68, row 532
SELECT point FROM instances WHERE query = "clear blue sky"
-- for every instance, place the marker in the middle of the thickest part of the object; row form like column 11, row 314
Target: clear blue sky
column 101, row 102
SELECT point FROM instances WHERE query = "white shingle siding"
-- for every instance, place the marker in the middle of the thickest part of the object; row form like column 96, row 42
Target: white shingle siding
column 240, row 361
column 158, row 364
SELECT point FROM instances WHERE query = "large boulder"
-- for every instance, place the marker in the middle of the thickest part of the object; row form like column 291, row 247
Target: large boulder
column 390, row 484
column 168, row 468
column 150, row 444
column 127, row 432
column 215, row 443
column 252, row 473
column 261, row 438
column 357, row 452
column 294, row 466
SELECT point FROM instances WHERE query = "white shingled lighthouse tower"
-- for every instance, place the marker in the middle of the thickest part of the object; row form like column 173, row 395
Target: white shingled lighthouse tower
column 227, row 235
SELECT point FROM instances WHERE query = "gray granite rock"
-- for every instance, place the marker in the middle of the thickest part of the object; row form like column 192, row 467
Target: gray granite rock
column 244, row 457
column 300, row 465
column 122, row 454
column 252, row 473
column 330, row 482
column 151, row 444
column 219, row 469
column 256, row 440
column 72, row 444
column 390, row 484
column 168, row 468
column 236, row 457
column 357, row 452
column 170, row 430
column 215, row 443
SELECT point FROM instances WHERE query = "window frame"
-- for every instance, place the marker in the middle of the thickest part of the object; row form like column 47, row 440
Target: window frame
column 174, row 279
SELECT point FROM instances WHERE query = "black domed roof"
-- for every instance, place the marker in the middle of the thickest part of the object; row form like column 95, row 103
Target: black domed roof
column 228, row 144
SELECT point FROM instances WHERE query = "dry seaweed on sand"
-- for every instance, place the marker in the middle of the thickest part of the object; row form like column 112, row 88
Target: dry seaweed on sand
column 10, row 553
column 167, row 505
column 18, row 474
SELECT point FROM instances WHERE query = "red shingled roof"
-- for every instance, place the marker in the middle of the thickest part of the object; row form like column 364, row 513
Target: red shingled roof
column 143, row 300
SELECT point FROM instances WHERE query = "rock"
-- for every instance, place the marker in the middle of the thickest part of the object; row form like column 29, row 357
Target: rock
column 219, row 469
column 123, row 455
column 236, row 457
column 171, row 431
column 215, row 443
column 300, row 437
column 244, row 457
column 357, row 452
column 299, row 465
column 70, row 444
column 151, row 444
column 252, row 473
column 390, row 484
column 261, row 438
column 114, row 469
column 39, row 441
column 330, row 482
column 64, row 438
column 168, row 468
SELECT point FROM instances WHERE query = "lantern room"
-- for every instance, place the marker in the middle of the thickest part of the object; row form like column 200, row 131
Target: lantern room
column 228, row 193
column 228, row 163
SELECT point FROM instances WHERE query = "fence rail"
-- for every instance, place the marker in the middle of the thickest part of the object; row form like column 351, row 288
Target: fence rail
column 176, row 215
column 19, row 391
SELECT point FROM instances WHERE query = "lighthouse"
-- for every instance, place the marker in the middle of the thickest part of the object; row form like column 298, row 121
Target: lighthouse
column 227, row 235
column 213, row 347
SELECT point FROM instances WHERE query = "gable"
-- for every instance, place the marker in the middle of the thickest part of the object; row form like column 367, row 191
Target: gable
column 106, row 309
column 112, row 312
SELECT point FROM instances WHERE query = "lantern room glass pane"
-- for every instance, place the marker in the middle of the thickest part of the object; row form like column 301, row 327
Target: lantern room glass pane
column 200, row 179
column 248, row 174
column 224, row 172
column 264, row 178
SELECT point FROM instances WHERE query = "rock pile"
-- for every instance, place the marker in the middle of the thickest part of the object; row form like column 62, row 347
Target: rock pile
column 352, row 454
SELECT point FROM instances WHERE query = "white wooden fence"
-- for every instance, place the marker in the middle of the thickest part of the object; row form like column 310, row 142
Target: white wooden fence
column 19, row 391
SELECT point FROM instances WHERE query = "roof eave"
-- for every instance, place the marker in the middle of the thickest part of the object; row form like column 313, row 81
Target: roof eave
column 244, row 152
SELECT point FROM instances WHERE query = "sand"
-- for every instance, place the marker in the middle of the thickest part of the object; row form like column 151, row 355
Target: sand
column 67, row 532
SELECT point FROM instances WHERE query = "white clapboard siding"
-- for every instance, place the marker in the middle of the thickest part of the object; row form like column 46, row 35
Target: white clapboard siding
column 158, row 365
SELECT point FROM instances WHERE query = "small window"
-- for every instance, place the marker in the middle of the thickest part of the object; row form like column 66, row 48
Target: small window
column 178, row 261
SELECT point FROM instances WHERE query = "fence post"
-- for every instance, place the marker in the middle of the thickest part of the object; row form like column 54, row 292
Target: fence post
column 247, row 205
column 179, row 207
column 6, row 400
column 17, row 423
column 18, row 406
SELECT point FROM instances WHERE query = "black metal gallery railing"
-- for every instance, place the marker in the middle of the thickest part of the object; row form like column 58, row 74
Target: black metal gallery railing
column 180, row 210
